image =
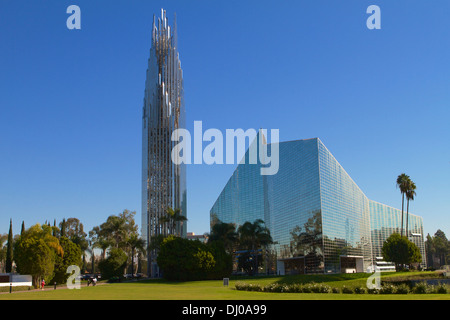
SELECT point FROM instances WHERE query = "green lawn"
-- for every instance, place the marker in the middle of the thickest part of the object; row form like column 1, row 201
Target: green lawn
column 214, row 290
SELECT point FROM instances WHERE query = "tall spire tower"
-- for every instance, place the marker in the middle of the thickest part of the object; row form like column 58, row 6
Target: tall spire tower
column 163, row 182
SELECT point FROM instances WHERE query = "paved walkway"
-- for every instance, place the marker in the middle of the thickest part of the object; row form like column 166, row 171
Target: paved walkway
column 51, row 287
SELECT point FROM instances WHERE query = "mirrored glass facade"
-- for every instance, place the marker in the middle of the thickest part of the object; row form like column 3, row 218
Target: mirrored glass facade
column 386, row 220
column 319, row 219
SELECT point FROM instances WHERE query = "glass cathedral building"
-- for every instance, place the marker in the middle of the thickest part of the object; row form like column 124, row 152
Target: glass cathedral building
column 319, row 219
column 163, row 182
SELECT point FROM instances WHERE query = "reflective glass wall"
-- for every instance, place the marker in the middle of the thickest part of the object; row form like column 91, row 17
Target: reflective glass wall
column 386, row 220
column 345, row 218
column 319, row 219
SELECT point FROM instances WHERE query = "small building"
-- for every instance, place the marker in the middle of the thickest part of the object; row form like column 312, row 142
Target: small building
column 15, row 280
column 200, row 237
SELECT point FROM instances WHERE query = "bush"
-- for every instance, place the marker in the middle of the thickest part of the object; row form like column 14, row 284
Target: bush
column 296, row 288
column 306, row 289
column 347, row 289
column 441, row 289
column 224, row 261
column 240, row 285
column 273, row 287
column 197, row 260
column 279, row 287
column 387, row 289
column 335, row 290
column 247, row 286
column 312, row 287
column 319, row 287
column 420, row 288
column 373, row 291
column 402, row 289
column 360, row 290
column 114, row 265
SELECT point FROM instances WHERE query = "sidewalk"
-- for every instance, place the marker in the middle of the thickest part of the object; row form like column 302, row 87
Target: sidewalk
column 51, row 287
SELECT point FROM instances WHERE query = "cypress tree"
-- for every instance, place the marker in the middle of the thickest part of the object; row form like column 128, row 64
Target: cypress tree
column 9, row 250
column 63, row 228
column 23, row 228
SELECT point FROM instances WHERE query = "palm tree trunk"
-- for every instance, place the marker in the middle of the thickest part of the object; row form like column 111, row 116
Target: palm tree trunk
column 403, row 202
column 407, row 215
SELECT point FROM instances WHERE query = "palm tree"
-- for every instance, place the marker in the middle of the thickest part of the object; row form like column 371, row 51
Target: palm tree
column 173, row 218
column 226, row 233
column 135, row 243
column 254, row 236
column 402, row 183
column 410, row 194
column 3, row 239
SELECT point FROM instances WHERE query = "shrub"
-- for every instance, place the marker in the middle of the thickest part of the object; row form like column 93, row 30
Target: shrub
column 373, row 291
column 240, row 285
column 360, row 290
column 273, row 287
column 441, row 288
column 114, row 265
column 296, row 288
column 347, row 289
column 420, row 288
column 335, row 290
column 306, row 288
column 320, row 288
column 402, row 289
column 198, row 260
column 248, row 286
column 254, row 287
column 387, row 289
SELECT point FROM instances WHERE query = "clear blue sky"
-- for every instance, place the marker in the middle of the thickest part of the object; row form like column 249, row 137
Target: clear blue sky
column 71, row 100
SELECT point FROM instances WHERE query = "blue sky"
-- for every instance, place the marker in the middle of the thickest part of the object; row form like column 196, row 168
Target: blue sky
column 71, row 100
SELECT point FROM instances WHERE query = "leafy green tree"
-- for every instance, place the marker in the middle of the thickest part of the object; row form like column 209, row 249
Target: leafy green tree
column 99, row 239
column 9, row 250
column 430, row 250
column 181, row 259
column 35, row 253
column 72, row 256
column 114, row 264
column 62, row 227
column 118, row 228
column 74, row 231
column 441, row 246
column 224, row 261
column 399, row 250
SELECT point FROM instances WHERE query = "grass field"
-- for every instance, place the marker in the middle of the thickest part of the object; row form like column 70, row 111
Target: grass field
column 214, row 290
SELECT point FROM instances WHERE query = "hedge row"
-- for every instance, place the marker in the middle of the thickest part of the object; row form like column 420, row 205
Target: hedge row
column 420, row 288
